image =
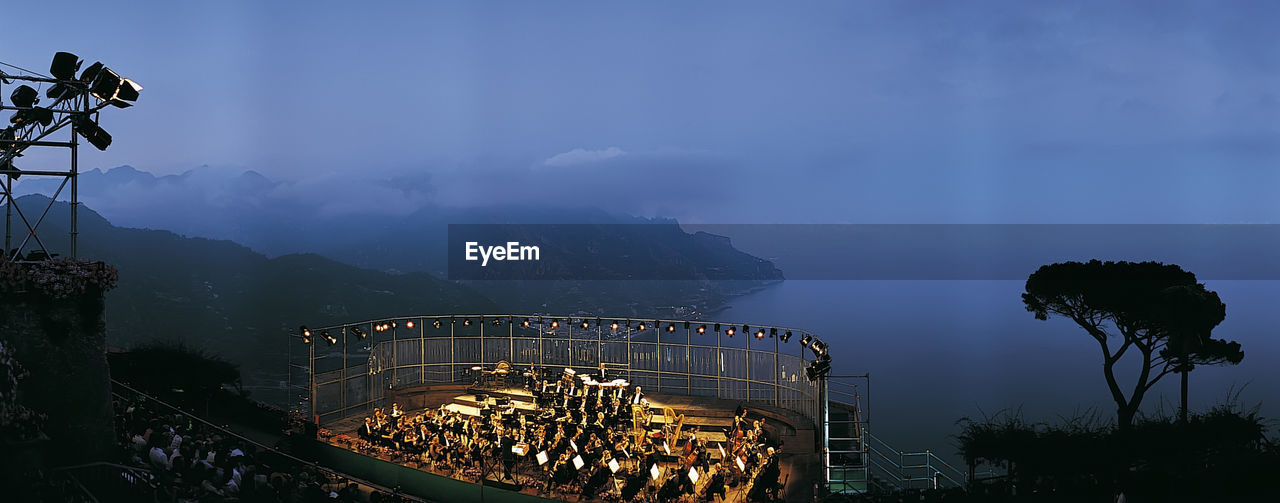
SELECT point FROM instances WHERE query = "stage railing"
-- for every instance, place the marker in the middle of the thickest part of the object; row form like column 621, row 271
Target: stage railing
column 351, row 366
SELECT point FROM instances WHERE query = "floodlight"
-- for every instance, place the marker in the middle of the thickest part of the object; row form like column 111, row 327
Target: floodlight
column 555, row 324
column 64, row 66
column 408, row 324
column 786, row 336
column 804, row 340
column 671, row 328
column 24, row 96
column 702, row 329
column 23, row 118
column 717, row 327
column 729, row 332
column 818, row 369
column 91, row 72
column 640, row 326
column 526, row 323
column 584, row 323
column 358, row 333
column 127, row 92
column 105, row 84
column 818, row 347
column 329, row 337
column 613, row 326
column 437, row 324
column 91, row 131
column 760, row 333
column 466, row 322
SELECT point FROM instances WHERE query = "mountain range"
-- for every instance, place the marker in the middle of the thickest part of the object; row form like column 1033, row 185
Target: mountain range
column 390, row 225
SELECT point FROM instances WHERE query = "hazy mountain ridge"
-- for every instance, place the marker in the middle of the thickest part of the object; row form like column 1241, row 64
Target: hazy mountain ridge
column 350, row 225
column 225, row 297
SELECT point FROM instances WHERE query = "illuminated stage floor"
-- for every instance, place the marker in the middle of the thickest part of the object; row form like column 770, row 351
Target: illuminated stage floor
column 799, row 463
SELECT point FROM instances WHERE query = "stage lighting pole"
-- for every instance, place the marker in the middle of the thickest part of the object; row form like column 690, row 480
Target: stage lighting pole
column 777, row 378
column 826, row 433
column 311, row 377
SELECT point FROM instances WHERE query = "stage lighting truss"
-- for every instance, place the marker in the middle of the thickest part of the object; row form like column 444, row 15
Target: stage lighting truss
column 69, row 102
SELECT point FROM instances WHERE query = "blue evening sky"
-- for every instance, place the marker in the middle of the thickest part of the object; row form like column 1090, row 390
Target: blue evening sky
column 888, row 111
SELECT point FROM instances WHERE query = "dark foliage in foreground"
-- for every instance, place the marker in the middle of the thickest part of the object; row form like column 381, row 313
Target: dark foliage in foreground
column 172, row 368
column 1216, row 455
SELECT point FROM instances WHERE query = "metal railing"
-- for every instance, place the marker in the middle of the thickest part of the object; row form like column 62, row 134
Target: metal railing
column 351, row 366
column 910, row 470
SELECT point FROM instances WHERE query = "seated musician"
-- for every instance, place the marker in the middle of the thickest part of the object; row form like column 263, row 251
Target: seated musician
column 597, row 480
column 563, row 471
column 716, row 484
column 366, row 431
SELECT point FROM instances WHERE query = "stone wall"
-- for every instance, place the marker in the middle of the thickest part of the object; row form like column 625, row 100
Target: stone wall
column 61, row 342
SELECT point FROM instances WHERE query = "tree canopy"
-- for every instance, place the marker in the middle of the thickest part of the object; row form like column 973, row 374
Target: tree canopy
column 1157, row 310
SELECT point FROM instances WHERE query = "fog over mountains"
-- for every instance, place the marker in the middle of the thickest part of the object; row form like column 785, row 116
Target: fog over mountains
column 390, row 225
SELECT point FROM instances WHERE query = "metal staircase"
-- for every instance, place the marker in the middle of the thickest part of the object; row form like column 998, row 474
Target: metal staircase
column 857, row 462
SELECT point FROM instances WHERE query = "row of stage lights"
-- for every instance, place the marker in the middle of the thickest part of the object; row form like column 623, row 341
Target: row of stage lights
column 820, row 366
column 818, row 347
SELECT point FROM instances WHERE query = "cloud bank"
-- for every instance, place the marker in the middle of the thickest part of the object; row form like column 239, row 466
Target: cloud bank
column 583, row 156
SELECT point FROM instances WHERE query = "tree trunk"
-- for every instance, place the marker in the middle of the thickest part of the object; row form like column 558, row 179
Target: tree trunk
column 1182, row 411
column 1124, row 417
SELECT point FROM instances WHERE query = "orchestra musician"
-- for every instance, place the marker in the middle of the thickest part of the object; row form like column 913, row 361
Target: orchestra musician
column 448, row 440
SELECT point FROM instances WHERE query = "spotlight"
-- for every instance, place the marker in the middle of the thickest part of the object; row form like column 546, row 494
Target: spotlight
column 818, row 347
column 773, row 332
column 408, row 324
column 686, row 325
column 358, row 333
column 526, row 323
column 804, row 341
column 91, row 131
column 497, row 322
column 613, row 326
column 717, row 327
column 599, row 324
column 585, row 324
column 671, row 328
column 64, row 66
column 22, row 118
column 393, row 324
column 24, row 97
column 91, row 72
column 108, row 86
column 702, row 329
column 555, row 324
column 786, row 336
column 818, row 369
column 746, row 329
column 729, row 332
column 437, row 323
column 640, row 326
column 760, row 333
column 466, row 322
column 306, row 334
column 329, row 337
column 128, row 92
